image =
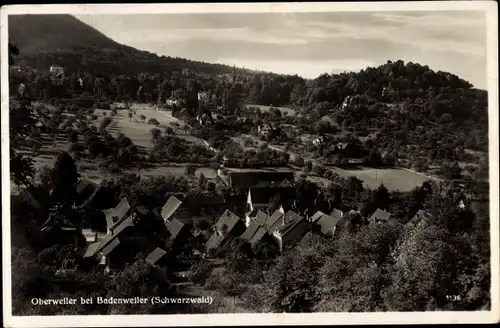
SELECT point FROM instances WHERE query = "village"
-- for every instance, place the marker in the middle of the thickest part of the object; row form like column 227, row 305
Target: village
column 189, row 186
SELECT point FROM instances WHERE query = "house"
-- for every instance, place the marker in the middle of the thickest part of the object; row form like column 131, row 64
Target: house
column 174, row 226
column 319, row 141
column 156, row 256
column 101, row 250
column 57, row 70
column 171, row 102
column 379, row 216
column 253, row 215
column 347, row 102
column 293, row 229
column 421, row 215
column 245, row 180
column 117, row 214
column 327, row 223
column 92, row 236
column 256, row 230
column 275, row 220
column 203, row 97
column 90, row 194
column 263, row 197
column 265, row 129
column 229, row 224
column 204, row 118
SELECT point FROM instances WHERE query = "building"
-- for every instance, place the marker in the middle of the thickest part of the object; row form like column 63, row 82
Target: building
column 420, row 216
column 263, row 197
column 156, row 256
column 56, row 70
column 90, row 195
column 379, row 216
column 266, row 129
column 174, row 226
column 171, row 102
column 203, row 97
column 253, row 215
column 319, row 141
column 325, row 223
column 294, row 228
column 276, row 220
column 117, row 214
column 245, row 180
column 229, row 224
column 102, row 250
column 204, row 118
column 256, row 230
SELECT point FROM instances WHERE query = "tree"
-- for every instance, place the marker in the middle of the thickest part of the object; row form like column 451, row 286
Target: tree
column 169, row 130
column 190, row 170
column 202, row 181
column 64, row 178
column 142, row 118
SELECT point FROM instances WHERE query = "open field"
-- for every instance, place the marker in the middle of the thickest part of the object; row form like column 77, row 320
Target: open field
column 393, row 178
column 284, row 110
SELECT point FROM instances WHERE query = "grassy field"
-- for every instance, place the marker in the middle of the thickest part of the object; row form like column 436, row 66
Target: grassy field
column 392, row 178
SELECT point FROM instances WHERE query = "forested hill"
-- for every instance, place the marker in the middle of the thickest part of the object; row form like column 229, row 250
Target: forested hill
column 45, row 40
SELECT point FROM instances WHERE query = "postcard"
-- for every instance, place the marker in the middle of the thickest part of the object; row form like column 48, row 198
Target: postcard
column 250, row 164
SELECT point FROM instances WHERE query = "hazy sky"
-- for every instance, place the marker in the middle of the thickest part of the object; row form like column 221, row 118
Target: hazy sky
column 309, row 44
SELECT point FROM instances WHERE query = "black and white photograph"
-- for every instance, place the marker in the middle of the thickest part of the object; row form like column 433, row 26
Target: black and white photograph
column 235, row 164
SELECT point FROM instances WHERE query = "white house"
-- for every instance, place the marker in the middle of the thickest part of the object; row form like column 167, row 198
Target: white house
column 54, row 69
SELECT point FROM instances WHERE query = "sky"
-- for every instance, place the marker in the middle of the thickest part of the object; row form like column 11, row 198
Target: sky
column 310, row 44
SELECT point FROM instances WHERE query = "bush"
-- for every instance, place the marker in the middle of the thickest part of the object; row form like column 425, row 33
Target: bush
column 153, row 121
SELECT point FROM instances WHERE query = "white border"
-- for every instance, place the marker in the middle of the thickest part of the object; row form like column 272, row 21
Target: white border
column 490, row 9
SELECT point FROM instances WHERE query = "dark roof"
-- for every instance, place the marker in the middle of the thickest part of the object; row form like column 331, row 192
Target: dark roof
column 291, row 221
column 251, row 230
column 174, row 226
column 120, row 212
column 227, row 219
column 86, row 191
column 155, row 255
column 419, row 216
column 245, row 180
column 326, row 222
column 263, row 195
column 274, row 221
column 380, row 215
column 110, row 239
column 170, row 207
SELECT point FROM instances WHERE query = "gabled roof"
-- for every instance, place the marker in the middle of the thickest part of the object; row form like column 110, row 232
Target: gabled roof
column 380, row 215
column 291, row 221
column 275, row 220
column 110, row 246
column 327, row 222
column 155, row 255
column 120, row 212
column 258, row 235
column 86, row 191
column 261, row 217
column 91, row 249
column 419, row 216
column 228, row 219
column 170, row 207
column 174, row 227
column 110, row 239
column 263, row 195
